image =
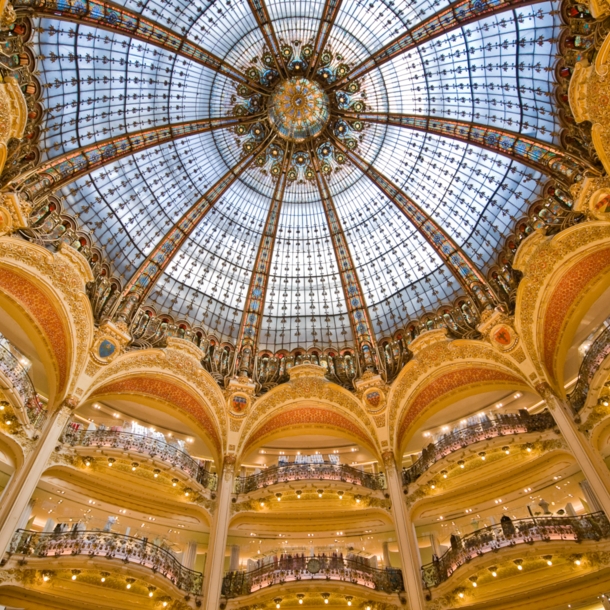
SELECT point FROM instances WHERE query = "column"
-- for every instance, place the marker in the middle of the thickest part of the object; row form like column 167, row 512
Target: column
column 190, row 555
column 386, row 554
column 214, row 564
column 234, row 565
column 593, row 467
column 405, row 532
column 24, row 480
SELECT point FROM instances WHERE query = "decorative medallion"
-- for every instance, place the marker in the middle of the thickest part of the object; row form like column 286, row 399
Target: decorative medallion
column 374, row 400
column 503, row 337
column 238, row 405
column 313, row 566
column 299, row 109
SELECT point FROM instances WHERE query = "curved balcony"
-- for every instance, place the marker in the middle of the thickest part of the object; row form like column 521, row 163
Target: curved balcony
column 596, row 354
column 311, row 472
column 111, row 546
column 316, row 567
column 145, row 445
column 500, row 425
column 509, row 533
column 18, row 377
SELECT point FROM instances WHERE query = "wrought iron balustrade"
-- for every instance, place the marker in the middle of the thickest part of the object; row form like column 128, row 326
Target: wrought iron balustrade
column 492, row 538
column 303, row 472
column 155, row 448
column 112, row 546
column 499, row 425
column 596, row 354
column 317, row 567
column 21, row 382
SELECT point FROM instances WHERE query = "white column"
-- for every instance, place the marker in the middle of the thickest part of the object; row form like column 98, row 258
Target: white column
column 214, row 564
column 588, row 458
column 234, row 565
column 386, row 554
column 24, row 481
column 405, row 532
column 190, row 555
column 27, row 513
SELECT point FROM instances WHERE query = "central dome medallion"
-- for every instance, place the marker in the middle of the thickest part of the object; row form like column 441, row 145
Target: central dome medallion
column 298, row 109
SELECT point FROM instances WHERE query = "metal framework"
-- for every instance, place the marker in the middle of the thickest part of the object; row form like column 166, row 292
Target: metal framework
column 157, row 261
column 255, row 301
column 543, row 157
column 464, row 270
column 263, row 20
column 115, row 18
column 329, row 15
column 67, row 168
column 454, row 16
column 362, row 327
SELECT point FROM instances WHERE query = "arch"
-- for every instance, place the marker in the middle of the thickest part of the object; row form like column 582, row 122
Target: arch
column 44, row 294
column 10, row 447
column 163, row 391
column 297, row 419
column 562, row 279
column 307, row 388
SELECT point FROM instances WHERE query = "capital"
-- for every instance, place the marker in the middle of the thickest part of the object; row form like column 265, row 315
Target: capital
column 71, row 402
column 388, row 459
column 545, row 390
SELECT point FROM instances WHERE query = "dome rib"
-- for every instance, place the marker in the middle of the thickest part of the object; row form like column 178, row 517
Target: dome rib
column 116, row 18
column 327, row 21
column 464, row 270
column 251, row 322
column 64, row 169
column 541, row 156
column 454, row 16
column 149, row 272
column 265, row 24
column 358, row 312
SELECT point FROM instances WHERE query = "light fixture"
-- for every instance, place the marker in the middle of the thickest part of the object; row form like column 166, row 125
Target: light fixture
column 325, row 597
column 187, row 492
column 528, row 448
column 300, row 597
column 577, row 560
column 444, row 473
column 174, row 482
column 277, row 601
column 46, row 575
column 320, row 492
column 548, row 559
column 156, row 472
column 262, row 504
column 482, row 455
column 473, row 580
column 461, row 595
column 104, row 576
column 368, row 607
column 493, row 570
column 130, row 582
column 518, row 563
column 75, row 573
column 357, row 498
column 340, row 494
column 299, row 494
column 88, row 461
column 134, row 466
column 461, row 463
column 151, row 590
column 278, row 495
column 111, row 461
column 506, row 450
column 432, row 484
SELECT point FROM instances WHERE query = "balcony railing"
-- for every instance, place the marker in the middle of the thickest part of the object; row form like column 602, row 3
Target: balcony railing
column 596, row 354
column 21, row 382
column 139, row 443
column 109, row 545
column 500, row 425
column 304, row 472
column 509, row 533
column 317, row 567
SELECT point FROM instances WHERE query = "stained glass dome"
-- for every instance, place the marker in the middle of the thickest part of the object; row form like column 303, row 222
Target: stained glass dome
column 323, row 172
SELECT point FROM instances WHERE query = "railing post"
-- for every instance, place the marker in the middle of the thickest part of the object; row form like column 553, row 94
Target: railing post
column 587, row 457
column 405, row 532
column 214, row 563
column 22, row 484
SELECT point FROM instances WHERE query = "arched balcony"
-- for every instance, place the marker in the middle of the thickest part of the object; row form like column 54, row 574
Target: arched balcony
column 151, row 447
column 29, row 408
column 109, row 545
column 292, row 568
column 489, row 428
column 510, row 533
column 325, row 471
